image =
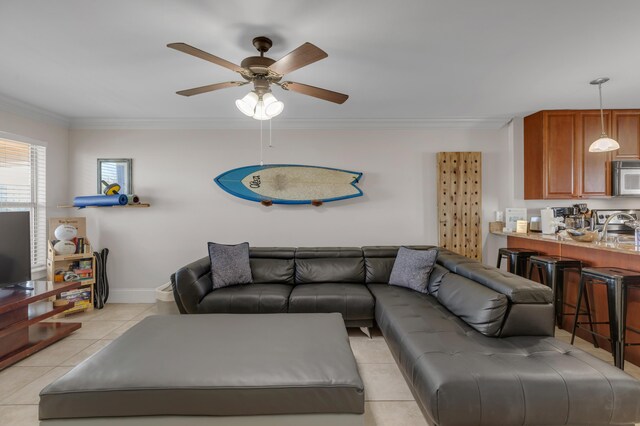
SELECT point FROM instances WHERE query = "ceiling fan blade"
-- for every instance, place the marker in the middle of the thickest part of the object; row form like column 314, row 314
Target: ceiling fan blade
column 190, row 50
column 211, row 88
column 316, row 92
column 298, row 58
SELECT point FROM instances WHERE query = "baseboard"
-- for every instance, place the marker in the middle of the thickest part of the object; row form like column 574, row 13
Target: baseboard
column 132, row 295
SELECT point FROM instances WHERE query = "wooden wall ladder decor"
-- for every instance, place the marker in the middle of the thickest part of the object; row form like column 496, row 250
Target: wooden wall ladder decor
column 460, row 202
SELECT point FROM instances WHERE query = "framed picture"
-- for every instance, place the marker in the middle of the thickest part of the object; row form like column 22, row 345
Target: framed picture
column 115, row 170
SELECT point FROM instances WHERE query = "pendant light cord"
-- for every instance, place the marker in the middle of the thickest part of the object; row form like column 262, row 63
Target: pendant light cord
column 270, row 145
column 601, row 110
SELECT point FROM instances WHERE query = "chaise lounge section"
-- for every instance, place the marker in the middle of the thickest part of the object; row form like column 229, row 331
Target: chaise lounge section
column 476, row 349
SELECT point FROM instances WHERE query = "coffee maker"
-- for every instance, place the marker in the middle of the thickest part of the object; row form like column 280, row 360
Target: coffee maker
column 578, row 218
column 574, row 217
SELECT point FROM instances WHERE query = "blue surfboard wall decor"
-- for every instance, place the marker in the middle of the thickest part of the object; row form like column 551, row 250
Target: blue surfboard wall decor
column 290, row 183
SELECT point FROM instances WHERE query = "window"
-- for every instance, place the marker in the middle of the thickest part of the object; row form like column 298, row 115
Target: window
column 22, row 188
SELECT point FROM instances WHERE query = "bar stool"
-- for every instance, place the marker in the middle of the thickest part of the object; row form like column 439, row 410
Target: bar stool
column 618, row 282
column 550, row 271
column 516, row 259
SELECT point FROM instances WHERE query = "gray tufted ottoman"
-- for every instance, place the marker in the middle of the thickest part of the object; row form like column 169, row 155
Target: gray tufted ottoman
column 219, row 369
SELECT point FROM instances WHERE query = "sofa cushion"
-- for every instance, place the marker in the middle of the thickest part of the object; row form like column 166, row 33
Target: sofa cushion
column 452, row 261
column 516, row 288
column 229, row 264
column 329, row 264
column 353, row 301
column 540, row 380
column 412, row 268
column 477, row 305
column 272, row 264
column 247, row 299
column 435, row 279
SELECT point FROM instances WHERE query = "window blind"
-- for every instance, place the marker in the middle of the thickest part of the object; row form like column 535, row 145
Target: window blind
column 23, row 188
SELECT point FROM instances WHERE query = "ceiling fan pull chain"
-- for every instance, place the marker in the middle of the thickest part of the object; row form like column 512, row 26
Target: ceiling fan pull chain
column 261, row 162
column 270, row 144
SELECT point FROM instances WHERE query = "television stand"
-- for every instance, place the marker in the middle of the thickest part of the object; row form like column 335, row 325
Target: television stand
column 21, row 311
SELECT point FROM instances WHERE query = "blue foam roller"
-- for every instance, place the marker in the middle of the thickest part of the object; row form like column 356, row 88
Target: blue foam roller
column 100, row 200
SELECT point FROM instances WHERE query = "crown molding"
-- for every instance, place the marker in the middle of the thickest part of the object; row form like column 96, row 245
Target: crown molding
column 23, row 109
column 289, row 124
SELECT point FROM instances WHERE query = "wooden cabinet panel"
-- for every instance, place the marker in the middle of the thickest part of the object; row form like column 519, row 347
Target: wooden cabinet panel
column 626, row 130
column 558, row 153
column 557, row 161
column 534, row 182
column 593, row 167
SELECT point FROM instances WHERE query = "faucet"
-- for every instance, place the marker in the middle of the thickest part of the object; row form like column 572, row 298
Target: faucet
column 609, row 219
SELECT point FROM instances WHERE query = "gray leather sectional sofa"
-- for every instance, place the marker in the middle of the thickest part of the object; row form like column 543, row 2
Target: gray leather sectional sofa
column 478, row 349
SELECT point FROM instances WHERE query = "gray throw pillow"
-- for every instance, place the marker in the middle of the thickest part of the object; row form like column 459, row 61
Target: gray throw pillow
column 411, row 268
column 229, row 264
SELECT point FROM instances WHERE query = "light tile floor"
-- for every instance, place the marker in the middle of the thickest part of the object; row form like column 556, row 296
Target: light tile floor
column 388, row 399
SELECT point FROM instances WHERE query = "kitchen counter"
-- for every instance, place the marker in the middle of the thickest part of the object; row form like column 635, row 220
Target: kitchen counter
column 594, row 254
column 626, row 248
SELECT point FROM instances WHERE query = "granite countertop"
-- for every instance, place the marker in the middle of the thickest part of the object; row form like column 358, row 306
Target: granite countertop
column 626, row 248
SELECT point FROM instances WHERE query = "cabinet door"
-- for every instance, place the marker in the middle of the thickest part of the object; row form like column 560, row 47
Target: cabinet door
column 593, row 167
column 626, row 130
column 558, row 153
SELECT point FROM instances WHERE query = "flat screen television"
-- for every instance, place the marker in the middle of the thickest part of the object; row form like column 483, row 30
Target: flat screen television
column 15, row 248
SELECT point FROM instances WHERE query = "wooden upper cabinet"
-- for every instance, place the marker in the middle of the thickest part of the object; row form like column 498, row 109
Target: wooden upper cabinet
column 626, row 130
column 593, row 167
column 549, row 148
column 557, row 161
column 559, row 148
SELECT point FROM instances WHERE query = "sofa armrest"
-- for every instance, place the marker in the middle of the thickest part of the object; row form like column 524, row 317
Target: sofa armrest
column 193, row 282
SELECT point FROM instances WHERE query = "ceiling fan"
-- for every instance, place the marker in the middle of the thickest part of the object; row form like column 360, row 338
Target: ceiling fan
column 262, row 72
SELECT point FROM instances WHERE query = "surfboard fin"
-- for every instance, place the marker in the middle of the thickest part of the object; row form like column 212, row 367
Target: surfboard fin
column 266, row 203
column 316, row 203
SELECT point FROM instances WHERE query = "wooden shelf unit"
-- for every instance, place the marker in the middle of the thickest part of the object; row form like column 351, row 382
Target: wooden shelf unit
column 57, row 262
column 21, row 311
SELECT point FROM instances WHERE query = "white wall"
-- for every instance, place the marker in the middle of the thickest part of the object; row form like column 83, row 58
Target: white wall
column 174, row 171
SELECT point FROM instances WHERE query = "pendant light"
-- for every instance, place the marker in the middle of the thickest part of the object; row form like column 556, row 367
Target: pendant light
column 604, row 143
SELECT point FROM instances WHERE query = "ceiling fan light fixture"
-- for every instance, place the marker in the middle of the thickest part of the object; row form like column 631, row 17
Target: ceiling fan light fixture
column 272, row 106
column 247, row 105
column 260, row 113
column 604, row 143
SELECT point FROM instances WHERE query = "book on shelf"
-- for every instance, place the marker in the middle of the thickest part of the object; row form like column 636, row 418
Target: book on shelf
column 77, row 294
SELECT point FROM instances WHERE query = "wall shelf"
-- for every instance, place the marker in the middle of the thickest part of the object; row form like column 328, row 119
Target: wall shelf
column 141, row 205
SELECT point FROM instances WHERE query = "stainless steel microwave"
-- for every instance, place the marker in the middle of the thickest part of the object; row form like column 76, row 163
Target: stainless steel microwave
column 625, row 178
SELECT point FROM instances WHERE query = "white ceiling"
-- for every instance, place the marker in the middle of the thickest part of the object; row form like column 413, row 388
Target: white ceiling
column 409, row 59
